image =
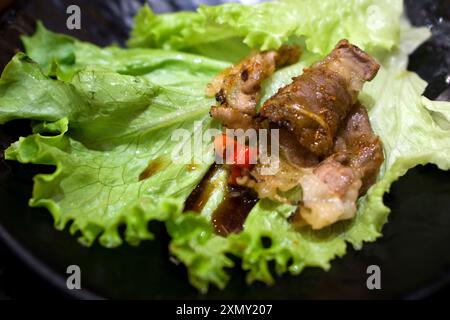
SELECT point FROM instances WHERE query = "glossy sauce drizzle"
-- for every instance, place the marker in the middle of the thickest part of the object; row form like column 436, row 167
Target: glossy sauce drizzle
column 152, row 168
column 199, row 197
column 233, row 210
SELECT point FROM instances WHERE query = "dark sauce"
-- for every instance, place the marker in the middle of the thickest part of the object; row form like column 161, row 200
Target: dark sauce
column 198, row 198
column 233, row 210
column 152, row 168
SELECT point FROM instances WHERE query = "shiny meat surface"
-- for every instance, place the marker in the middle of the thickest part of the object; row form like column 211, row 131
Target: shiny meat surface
column 293, row 152
column 330, row 192
column 233, row 118
column 328, row 153
column 331, row 189
column 316, row 103
column 276, row 186
column 293, row 158
column 237, row 89
column 359, row 147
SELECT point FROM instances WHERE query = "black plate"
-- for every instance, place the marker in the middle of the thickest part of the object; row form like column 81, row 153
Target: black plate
column 413, row 255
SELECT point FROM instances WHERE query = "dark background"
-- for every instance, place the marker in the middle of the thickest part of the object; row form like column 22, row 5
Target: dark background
column 431, row 61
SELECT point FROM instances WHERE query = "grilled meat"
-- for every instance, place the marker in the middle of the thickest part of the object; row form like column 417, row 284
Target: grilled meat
column 331, row 189
column 327, row 149
column 314, row 105
column 237, row 89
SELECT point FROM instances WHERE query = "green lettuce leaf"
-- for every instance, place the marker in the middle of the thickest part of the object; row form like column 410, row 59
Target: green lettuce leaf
column 371, row 24
column 106, row 129
column 62, row 56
